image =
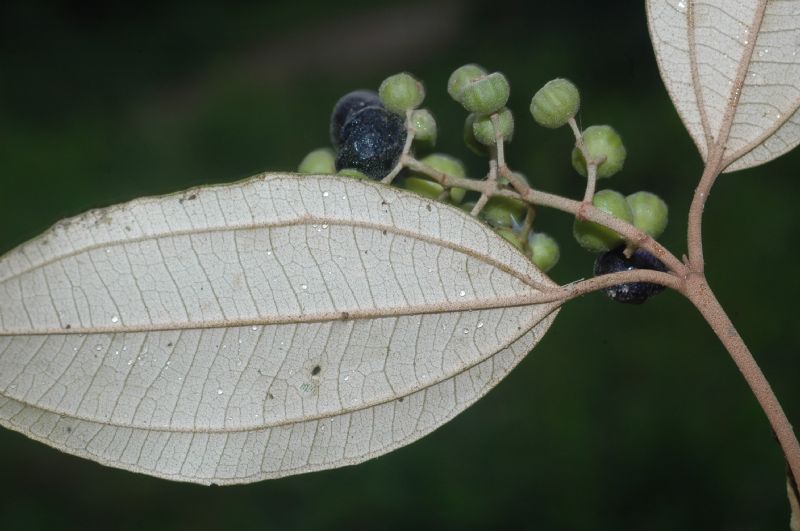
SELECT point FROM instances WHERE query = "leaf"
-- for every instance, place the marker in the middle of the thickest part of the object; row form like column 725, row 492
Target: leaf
column 272, row 327
column 732, row 70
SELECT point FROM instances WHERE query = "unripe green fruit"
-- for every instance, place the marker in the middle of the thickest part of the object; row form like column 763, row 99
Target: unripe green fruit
column 602, row 143
column 401, row 92
column 423, row 187
column 483, row 127
column 444, row 163
column 504, row 211
column 511, row 237
column 486, row 94
column 351, row 172
column 424, row 126
column 460, row 77
column 432, row 189
column 544, row 250
column 469, row 137
column 598, row 238
column 555, row 103
column 321, row 160
column 650, row 213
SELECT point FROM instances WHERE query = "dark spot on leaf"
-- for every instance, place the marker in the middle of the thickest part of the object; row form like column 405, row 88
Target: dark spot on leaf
column 428, row 207
column 169, row 344
column 69, row 429
column 401, row 399
column 127, row 228
column 345, row 316
column 384, row 232
column 67, row 327
column 270, row 396
column 316, row 370
column 192, row 197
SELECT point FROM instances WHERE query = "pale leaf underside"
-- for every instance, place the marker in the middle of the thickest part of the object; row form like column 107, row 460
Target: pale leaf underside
column 271, row 327
column 733, row 72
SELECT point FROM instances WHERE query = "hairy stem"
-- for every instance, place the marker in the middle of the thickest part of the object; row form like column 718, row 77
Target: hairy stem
column 577, row 132
column 582, row 287
column 592, row 213
column 535, row 197
column 591, row 182
column 591, row 165
column 589, row 285
column 410, row 132
column 490, row 185
column 699, row 293
column 695, row 232
column 499, row 141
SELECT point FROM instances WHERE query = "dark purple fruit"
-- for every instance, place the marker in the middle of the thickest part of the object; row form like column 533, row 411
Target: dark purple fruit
column 372, row 142
column 614, row 261
column 346, row 107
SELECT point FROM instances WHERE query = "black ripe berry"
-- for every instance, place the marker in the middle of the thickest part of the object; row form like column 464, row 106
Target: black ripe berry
column 614, row 261
column 346, row 107
column 372, row 142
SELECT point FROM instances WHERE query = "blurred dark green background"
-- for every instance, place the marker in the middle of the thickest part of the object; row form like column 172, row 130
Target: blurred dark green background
column 622, row 418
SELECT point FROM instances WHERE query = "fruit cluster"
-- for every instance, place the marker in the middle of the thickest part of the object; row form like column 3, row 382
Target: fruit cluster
column 376, row 135
column 648, row 213
column 598, row 154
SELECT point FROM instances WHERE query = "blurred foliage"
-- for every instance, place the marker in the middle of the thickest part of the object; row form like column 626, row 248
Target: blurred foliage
column 623, row 417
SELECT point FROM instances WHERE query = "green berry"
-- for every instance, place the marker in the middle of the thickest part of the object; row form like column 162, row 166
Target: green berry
column 598, row 238
column 424, row 126
column 650, row 213
column 604, row 146
column 401, row 92
column 483, row 127
column 469, row 137
column 544, row 250
column 460, row 77
column 351, row 172
column 555, row 103
column 423, row 187
column 504, row 211
column 451, row 166
column 486, row 95
column 431, row 189
column 511, row 237
column 321, row 160
column 445, row 164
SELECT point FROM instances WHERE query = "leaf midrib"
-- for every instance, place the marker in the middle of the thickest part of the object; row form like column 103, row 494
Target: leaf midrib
column 338, row 315
column 522, row 332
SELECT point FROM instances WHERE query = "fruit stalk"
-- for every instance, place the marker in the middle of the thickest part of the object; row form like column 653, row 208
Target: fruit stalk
column 591, row 178
column 539, row 198
column 406, row 149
